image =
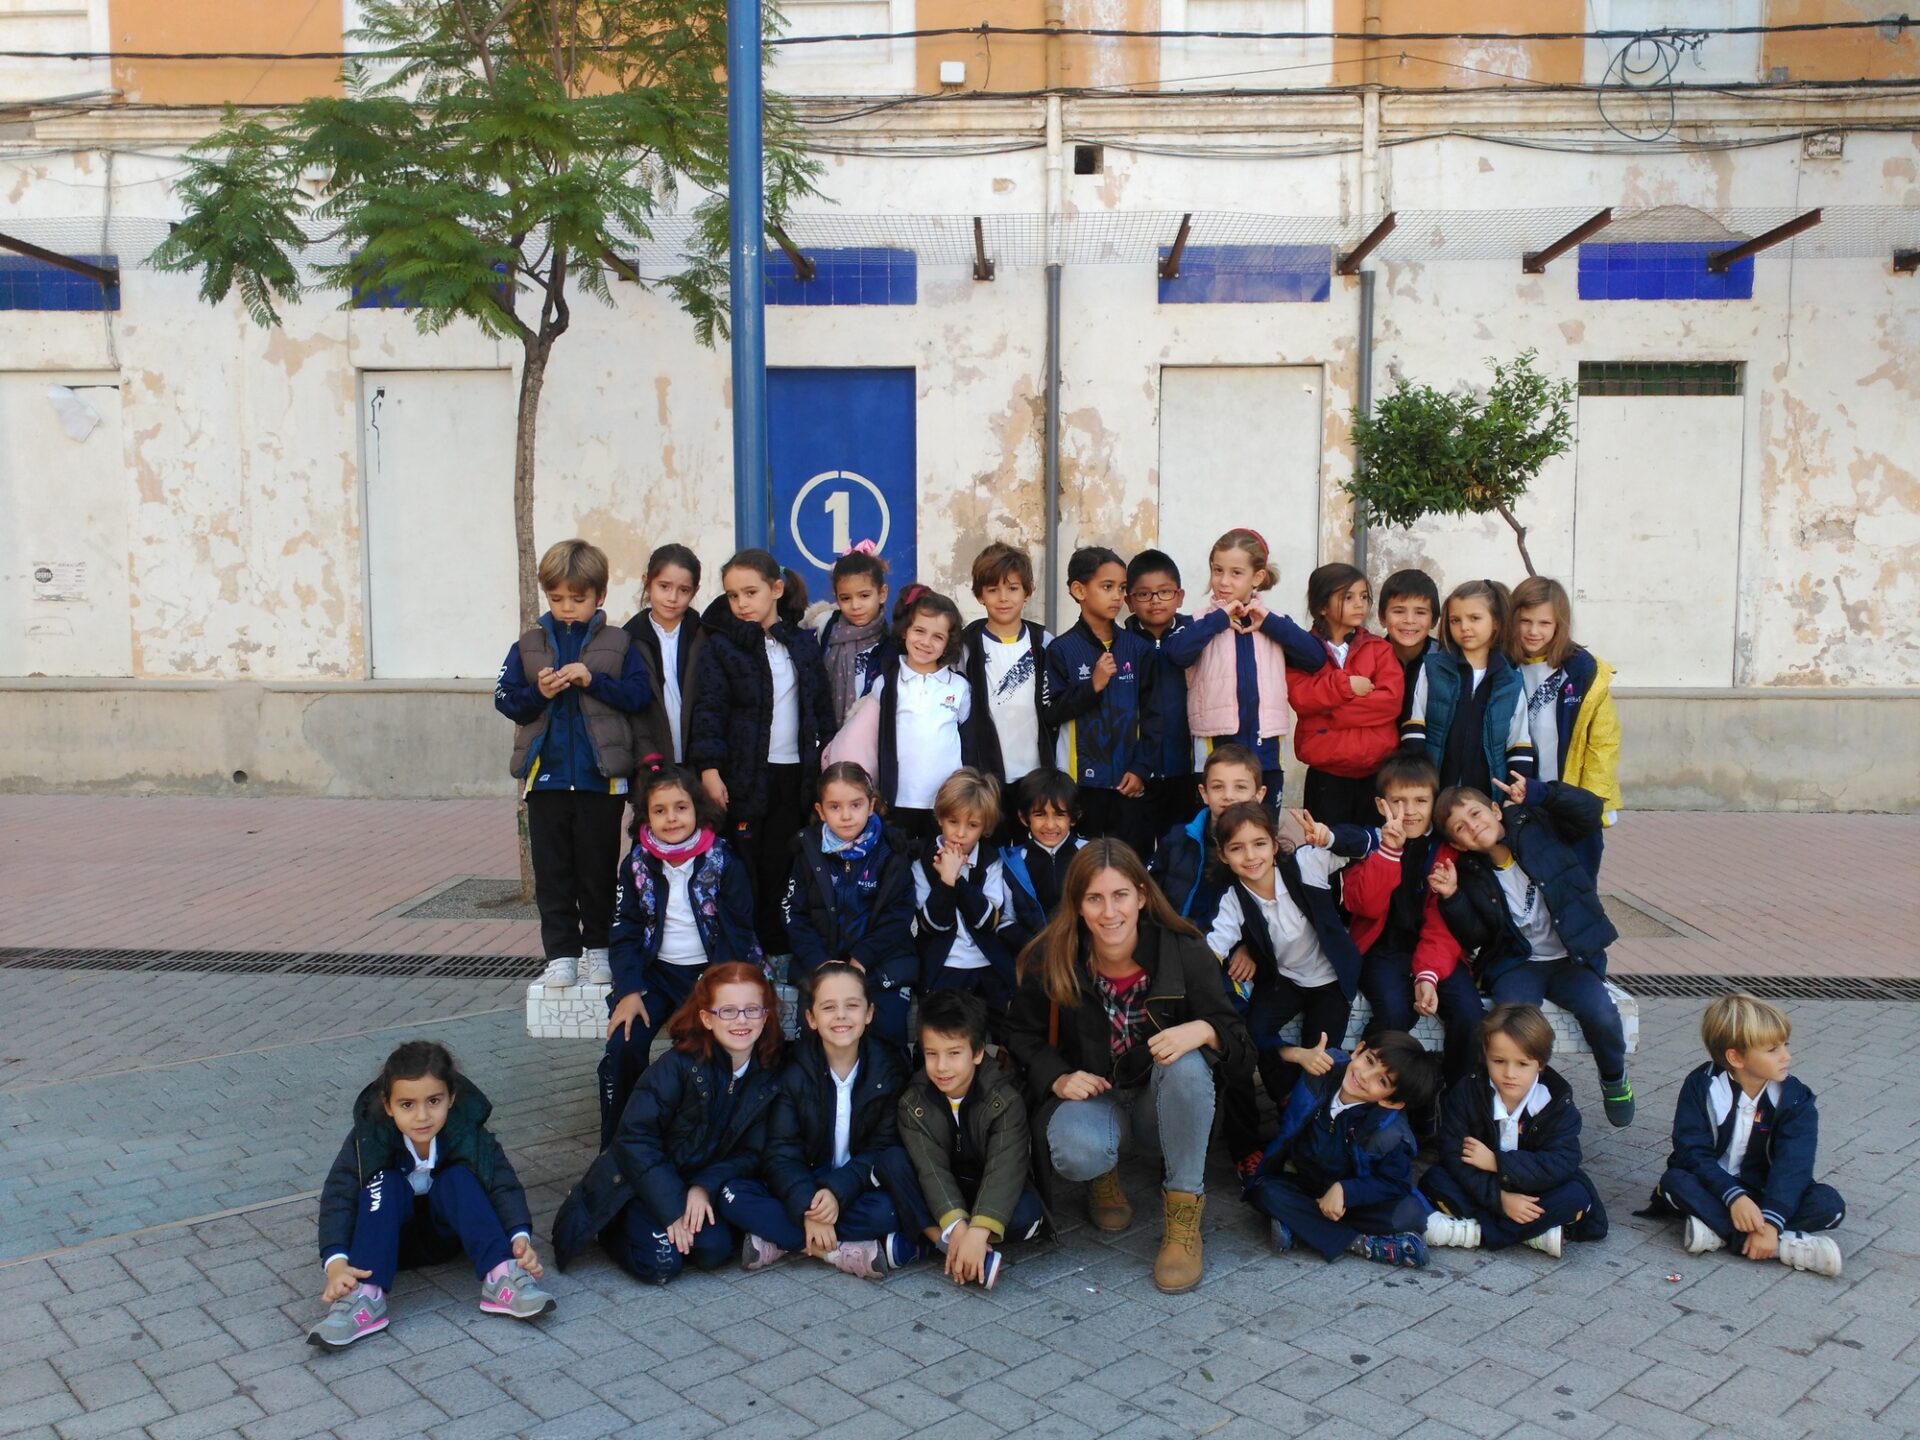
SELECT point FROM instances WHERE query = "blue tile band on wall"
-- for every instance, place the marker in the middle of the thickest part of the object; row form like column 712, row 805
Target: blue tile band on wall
column 1249, row 275
column 35, row 285
column 1662, row 272
column 389, row 297
column 864, row 275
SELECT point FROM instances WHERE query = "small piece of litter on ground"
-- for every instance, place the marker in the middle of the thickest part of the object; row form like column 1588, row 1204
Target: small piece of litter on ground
column 1673, row 1279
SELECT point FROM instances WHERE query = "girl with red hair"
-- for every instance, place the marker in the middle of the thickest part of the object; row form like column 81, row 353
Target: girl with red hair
column 696, row 1121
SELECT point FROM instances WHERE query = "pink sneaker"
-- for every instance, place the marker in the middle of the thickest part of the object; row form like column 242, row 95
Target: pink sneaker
column 860, row 1258
column 757, row 1253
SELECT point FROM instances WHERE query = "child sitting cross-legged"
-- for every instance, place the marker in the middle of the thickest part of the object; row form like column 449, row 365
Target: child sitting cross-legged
column 1745, row 1134
column 965, row 1126
column 1509, row 1170
column 1339, row 1174
column 421, row 1180
column 833, row 1156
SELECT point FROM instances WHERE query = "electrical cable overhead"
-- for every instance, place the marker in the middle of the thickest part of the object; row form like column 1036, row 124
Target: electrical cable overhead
column 1900, row 25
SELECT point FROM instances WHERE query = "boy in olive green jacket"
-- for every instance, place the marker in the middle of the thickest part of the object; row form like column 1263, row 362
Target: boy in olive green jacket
column 964, row 1125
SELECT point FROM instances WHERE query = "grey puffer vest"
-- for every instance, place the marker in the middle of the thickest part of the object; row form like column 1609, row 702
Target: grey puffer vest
column 609, row 731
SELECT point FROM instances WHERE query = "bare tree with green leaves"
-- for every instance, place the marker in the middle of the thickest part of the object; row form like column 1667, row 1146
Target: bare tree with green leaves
column 1423, row 453
column 490, row 161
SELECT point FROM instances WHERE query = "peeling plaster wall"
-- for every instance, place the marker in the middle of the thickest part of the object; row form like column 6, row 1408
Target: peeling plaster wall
column 242, row 446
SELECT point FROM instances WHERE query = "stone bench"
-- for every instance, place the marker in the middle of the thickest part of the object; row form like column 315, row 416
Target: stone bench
column 579, row 1012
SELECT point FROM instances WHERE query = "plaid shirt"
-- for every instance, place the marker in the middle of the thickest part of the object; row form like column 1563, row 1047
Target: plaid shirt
column 1125, row 1002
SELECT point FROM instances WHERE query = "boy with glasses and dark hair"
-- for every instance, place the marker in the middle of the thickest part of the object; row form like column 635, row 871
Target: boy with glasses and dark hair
column 1154, row 598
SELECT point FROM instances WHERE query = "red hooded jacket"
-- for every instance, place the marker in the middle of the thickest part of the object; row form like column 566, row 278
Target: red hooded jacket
column 1340, row 732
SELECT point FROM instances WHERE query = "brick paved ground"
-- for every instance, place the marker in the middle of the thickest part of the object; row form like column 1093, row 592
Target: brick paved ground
column 141, row 1109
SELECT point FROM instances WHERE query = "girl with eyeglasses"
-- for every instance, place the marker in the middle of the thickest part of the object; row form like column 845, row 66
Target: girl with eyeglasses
column 696, row 1122
column 683, row 902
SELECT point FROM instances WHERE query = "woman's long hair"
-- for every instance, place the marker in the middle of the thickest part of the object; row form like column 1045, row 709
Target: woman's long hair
column 1054, row 954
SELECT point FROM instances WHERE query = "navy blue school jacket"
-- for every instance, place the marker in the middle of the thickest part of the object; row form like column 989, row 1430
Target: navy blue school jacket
column 678, row 1131
column 800, row 1129
column 1322, row 910
column 1367, row 1149
column 733, row 706
column 722, row 899
column 1169, row 699
column 1189, row 872
column 1777, row 1169
column 819, row 926
column 999, row 916
column 376, row 1144
column 1035, row 871
column 1549, row 1151
column 1105, row 735
column 1541, row 833
column 986, row 737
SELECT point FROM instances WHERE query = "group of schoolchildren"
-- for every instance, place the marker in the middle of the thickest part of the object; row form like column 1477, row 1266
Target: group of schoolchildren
column 882, row 810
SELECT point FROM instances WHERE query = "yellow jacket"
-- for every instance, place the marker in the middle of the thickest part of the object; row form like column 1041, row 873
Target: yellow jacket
column 1592, row 760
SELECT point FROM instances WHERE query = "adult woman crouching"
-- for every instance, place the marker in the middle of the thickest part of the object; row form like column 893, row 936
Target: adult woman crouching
column 1119, row 1023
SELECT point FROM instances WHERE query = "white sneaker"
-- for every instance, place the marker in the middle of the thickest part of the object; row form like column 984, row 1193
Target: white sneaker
column 1699, row 1239
column 1547, row 1243
column 561, row 973
column 1818, row 1253
column 1444, row 1229
column 599, row 969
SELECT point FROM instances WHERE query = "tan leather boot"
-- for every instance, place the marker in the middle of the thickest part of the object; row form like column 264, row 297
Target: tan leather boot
column 1107, row 1205
column 1178, row 1266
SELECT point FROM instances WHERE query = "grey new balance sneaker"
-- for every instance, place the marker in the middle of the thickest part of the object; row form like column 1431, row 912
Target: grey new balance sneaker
column 352, row 1318
column 515, row 1294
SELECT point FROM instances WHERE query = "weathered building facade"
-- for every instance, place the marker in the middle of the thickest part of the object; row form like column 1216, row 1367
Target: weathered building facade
column 287, row 554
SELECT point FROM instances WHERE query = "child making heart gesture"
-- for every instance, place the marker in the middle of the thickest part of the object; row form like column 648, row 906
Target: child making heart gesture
column 1236, row 655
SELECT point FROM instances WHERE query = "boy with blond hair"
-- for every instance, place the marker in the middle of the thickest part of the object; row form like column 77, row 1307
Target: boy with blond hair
column 1745, row 1137
column 574, row 686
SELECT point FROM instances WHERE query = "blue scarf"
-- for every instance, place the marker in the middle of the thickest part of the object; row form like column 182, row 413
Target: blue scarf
column 857, row 848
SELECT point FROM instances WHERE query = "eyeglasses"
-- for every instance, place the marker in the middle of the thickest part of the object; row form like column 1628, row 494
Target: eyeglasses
column 731, row 1013
column 1156, row 597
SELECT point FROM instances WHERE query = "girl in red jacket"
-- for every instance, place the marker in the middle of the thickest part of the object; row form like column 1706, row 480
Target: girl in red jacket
column 1348, row 709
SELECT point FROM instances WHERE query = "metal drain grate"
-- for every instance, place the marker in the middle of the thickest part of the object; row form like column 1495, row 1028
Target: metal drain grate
column 269, row 962
column 1879, row 989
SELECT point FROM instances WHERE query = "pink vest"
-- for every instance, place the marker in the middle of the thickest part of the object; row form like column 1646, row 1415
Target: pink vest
column 1213, row 693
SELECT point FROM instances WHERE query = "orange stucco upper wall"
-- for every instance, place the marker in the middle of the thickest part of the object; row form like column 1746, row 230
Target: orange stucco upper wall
column 1844, row 54
column 1461, row 63
column 1009, row 63
column 263, row 26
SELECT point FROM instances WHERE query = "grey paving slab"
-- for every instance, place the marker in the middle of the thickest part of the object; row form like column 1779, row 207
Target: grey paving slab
column 150, row 1318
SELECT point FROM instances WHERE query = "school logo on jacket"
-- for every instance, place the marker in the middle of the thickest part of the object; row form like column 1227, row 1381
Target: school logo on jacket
column 1086, row 672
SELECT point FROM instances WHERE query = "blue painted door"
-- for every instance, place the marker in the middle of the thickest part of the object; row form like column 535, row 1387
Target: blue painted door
column 842, row 455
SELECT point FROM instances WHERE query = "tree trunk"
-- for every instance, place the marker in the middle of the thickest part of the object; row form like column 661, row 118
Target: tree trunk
column 1519, row 538
column 533, row 375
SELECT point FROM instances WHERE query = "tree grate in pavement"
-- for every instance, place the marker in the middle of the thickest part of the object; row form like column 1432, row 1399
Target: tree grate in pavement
column 270, row 962
column 1776, row 987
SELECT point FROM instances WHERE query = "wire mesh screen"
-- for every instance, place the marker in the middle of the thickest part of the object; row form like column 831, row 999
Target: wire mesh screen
column 1137, row 237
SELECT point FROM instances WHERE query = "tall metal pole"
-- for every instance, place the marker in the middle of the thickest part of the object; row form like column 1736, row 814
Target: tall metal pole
column 747, row 256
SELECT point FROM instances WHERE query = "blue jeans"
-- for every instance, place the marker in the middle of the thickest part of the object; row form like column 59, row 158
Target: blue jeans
column 1574, row 1206
column 1170, row 1116
column 393, row 1227
column 637, row 1242
column 1283, row 1198
column 1386, row 979
column 1821, row 1208
column 752, row 1209
column 626, row 1058
column 1575, row 987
